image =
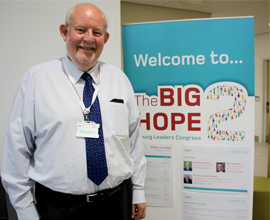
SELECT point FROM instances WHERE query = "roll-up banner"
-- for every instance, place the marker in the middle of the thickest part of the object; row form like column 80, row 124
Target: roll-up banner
column 194, row 86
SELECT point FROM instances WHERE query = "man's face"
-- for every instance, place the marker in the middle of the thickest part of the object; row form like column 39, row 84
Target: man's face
column 187, row 164
column 220, row 167
column 85, row 37
column 187, row 177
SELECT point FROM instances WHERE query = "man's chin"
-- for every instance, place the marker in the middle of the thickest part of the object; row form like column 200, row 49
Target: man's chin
column 86, row 60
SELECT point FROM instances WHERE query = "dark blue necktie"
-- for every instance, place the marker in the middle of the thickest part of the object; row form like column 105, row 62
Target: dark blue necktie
column 95, row 152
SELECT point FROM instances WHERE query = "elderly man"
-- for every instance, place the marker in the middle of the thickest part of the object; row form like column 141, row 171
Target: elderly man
column 187, row 179
column 74, row 133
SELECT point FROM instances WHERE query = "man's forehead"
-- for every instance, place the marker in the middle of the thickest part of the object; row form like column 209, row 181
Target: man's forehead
column 85, row 21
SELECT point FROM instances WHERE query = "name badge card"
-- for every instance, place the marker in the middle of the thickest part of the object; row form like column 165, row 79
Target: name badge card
column 87, row 129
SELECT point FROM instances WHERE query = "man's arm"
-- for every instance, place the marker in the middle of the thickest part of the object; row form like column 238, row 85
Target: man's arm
column 19, row 148
column 137, row 154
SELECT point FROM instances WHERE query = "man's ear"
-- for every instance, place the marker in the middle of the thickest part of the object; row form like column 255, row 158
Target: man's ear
column 107, row 36
column 63, row 31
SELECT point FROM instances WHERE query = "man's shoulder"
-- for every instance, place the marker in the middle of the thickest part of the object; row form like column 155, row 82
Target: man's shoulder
column 47, row 65
column 113, row 71
column 42, row 67
column 106, row 66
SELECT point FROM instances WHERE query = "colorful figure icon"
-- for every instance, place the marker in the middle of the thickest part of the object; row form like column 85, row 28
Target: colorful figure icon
column 239, row 105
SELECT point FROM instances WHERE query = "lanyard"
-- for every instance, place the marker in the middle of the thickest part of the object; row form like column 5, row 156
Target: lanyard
column 85, row 110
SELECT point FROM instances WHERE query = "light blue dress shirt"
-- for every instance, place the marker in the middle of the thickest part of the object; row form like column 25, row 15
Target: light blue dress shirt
column 41, row 143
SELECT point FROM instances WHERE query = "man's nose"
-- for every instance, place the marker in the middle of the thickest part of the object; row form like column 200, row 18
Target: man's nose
column 89, row 37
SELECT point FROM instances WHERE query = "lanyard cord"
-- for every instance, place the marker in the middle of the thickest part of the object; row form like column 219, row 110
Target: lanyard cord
column 84, row 110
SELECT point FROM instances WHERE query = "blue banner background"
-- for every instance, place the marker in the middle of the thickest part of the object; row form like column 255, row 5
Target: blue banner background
column 231, row 36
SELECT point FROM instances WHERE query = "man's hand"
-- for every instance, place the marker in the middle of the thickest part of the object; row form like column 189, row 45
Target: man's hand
column 140, row 210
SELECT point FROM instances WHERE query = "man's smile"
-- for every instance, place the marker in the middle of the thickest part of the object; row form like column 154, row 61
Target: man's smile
column 87, row 48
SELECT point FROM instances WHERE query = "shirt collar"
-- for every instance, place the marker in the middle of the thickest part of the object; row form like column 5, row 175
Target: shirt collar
column 76, row 73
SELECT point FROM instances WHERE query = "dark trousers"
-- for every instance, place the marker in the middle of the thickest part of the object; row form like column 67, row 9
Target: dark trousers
column 53, row 205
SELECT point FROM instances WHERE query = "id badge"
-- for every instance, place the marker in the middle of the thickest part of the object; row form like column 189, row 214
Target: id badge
column 87, row 129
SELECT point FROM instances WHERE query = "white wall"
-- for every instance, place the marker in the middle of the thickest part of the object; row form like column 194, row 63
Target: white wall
column 261, row 54
column 30, row 35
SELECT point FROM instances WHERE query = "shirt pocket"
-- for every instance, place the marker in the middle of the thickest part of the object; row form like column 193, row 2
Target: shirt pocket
column 118, row 119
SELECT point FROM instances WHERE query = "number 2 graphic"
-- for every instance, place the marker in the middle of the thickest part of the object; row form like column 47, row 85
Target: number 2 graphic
column 239, row 106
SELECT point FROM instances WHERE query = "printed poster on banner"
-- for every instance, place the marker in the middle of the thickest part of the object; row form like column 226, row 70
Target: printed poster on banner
column 194, row 86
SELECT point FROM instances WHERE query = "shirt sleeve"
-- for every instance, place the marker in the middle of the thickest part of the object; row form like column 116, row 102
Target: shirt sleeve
column 137, row 154
column 18, row 151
